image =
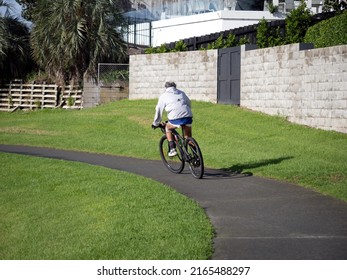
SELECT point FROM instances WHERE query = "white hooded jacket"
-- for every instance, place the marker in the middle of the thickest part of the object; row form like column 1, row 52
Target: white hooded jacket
column 175, row 102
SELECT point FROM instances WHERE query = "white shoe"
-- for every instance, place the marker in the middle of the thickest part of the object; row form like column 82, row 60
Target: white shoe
column 172, row 153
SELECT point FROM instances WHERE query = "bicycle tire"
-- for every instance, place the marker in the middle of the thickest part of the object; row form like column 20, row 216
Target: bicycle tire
column 174, row 164
column 196, row 161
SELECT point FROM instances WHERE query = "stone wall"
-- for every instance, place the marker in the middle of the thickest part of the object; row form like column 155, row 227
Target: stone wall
column 195, row 72
column 94, row 95
column 113, row 93
column 308, row 87
column 90, row 94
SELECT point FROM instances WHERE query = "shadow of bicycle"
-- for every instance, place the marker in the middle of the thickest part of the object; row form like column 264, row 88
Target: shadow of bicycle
column 237, row 170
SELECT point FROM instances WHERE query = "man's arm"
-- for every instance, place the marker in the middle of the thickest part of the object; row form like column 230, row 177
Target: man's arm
column 158, row 112
column 187, row 100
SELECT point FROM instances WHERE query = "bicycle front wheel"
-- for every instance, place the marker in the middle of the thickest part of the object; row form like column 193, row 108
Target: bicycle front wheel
column 195, row 160
column 174, row 164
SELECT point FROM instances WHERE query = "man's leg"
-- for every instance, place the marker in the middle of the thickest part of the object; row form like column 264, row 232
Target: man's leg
column 170, row 138
column 168, row 130
column 187, row 130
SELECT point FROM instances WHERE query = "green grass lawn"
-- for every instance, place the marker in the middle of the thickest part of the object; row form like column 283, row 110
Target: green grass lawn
column 51, row 209
column 231, row 138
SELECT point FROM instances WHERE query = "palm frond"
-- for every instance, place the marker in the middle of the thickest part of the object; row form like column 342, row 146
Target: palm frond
column 78, row 35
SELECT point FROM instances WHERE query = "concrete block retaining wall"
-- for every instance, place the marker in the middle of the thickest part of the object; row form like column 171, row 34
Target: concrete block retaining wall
column 90, row 94
column 308, row 87
column 94, row 95
column 194, row 72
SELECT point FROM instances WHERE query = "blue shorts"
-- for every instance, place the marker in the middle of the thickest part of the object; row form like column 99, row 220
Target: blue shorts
column 182, row 121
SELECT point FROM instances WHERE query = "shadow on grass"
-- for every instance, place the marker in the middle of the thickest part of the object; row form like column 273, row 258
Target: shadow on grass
column 237, row 170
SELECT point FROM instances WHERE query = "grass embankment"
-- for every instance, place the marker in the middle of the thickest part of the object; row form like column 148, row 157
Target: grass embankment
column 230, row 137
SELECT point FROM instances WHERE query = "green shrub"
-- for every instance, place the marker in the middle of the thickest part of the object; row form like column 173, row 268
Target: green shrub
column 243, row 41
column 268, row 36
column 297, row 23
column 180, row 46
column 330, row 32
column 217, row 44
column 70, row 101
column 39, row 77
column 162, row 49
column 262, row 31
column 151, row 50
column 228, row 42
column 109, row 77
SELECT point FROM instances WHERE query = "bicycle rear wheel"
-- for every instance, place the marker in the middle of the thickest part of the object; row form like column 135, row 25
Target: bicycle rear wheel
column 196, row 162
column 174, row 164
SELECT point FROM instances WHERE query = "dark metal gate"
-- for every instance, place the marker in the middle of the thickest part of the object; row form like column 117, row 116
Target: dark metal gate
column 229, row 74
column 229, row 69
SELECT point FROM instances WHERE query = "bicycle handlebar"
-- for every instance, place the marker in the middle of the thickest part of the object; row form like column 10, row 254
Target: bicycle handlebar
column 161, row 126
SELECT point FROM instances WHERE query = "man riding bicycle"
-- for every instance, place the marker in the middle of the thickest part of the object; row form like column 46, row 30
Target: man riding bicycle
column 177, row 105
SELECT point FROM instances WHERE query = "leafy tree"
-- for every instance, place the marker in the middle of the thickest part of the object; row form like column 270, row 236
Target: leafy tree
column 297, row 23
column 27, row 7
column 262, row 32
column 268, row 36
column 78, row 35
column 15, row 59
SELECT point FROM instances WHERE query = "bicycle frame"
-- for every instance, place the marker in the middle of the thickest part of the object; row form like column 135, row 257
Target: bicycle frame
column 178, row 138
column 180, row 141
column 188, row 151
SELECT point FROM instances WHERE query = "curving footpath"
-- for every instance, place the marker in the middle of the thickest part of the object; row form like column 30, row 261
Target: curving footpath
column 254, row 218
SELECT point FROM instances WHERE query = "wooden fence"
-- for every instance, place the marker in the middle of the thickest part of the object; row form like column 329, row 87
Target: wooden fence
column 17, row 95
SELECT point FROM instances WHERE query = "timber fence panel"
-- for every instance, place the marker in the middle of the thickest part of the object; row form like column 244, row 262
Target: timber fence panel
column 17, row 95
column 72, row 97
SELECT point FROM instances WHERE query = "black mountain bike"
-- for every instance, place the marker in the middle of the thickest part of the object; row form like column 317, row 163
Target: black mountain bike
column 187, row 151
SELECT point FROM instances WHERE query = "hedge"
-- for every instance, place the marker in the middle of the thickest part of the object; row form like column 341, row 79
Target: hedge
column 327, row 33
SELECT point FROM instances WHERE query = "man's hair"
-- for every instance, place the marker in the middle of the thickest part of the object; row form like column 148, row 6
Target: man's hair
column 170, row 84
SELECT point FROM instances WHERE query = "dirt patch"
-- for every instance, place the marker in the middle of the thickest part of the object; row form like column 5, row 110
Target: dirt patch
column 17, row 130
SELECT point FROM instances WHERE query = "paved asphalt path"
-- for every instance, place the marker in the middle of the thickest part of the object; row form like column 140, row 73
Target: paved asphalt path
column 254, row 218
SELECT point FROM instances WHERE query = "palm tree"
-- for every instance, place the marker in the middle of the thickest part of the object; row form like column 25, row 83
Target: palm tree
column 14, row 46
column 3, row 30
column 27, row 7
column 70, row 37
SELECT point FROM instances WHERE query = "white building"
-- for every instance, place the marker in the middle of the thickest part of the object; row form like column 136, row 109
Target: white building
column 173, row 20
